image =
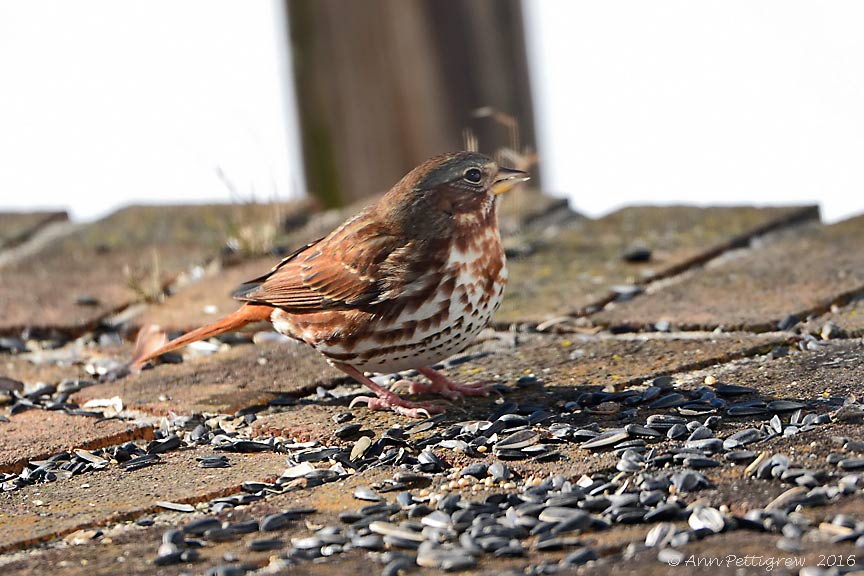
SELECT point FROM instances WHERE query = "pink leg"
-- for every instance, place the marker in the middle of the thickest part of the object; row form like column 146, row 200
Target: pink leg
column 440, row 384
column 387, row 399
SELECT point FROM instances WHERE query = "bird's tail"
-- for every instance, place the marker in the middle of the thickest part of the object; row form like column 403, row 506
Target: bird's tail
column 151, row 341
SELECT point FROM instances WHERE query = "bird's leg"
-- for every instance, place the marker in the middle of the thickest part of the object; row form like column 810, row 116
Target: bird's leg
column 387, row 399
column 440, row 384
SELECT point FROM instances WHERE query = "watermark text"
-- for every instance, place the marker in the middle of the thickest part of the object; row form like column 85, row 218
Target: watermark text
column 767, row 563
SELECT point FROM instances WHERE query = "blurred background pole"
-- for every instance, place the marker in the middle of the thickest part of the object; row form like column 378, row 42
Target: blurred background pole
column 383, row 84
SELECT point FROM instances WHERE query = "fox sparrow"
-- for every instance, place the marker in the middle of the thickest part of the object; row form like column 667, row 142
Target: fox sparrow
column 407, row 282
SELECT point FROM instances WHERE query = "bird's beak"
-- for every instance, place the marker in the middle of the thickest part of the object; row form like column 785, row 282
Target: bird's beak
column 507, row 178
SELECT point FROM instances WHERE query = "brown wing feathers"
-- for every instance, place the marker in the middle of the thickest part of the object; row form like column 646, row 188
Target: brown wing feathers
column 340, row 272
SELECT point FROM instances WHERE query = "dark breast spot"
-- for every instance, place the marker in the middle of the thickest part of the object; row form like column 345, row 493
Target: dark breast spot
column 445, row 290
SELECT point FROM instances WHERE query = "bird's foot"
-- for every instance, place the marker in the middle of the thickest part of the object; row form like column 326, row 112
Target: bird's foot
column 451, row 391
column 440, row 384
column 387, row 400
column 390, row 401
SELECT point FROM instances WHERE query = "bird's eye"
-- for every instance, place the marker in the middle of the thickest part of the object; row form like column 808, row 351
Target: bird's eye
column 473, row 175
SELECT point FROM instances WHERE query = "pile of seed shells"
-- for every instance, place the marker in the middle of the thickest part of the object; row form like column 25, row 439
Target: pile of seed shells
column 172, row 434
column 510, row 515
column 43, row 396
column 445, row 529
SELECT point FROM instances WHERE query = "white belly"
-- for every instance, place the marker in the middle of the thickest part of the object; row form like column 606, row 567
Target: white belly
column 464, row 326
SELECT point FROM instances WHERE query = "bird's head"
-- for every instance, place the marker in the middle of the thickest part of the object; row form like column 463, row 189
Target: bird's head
column 452, row 190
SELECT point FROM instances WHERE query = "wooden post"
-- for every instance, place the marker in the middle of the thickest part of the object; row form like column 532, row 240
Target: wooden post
column 384, row 84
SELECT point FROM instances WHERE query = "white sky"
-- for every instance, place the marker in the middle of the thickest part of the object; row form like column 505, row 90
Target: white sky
column 108, row 102
column 732, row 101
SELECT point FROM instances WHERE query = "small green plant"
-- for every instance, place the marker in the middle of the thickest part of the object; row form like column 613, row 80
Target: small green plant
column 253, row 227
column 146, row 281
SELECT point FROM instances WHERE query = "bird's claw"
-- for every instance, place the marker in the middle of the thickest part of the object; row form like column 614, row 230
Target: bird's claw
column 423, row 388
column 399, row 405
column 441, row 385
